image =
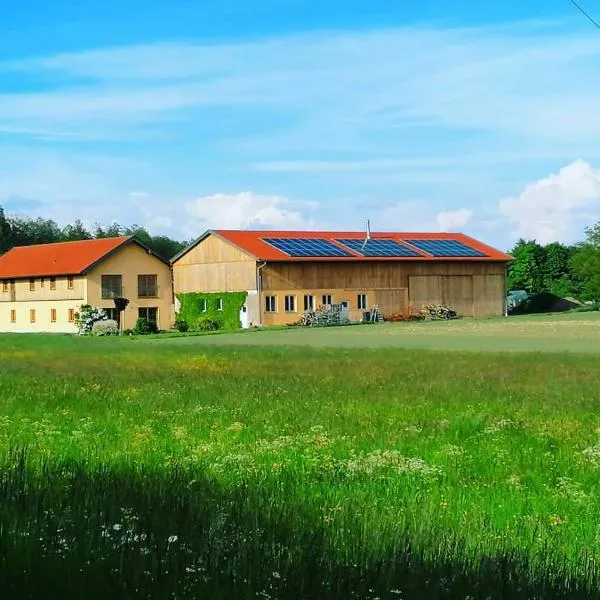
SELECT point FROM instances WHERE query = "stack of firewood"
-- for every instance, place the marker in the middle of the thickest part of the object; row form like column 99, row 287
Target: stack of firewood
column 323, row 315
column 437, row 313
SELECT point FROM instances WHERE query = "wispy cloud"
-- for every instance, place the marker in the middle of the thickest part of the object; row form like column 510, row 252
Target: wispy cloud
column 509, row 80
column 455, row 117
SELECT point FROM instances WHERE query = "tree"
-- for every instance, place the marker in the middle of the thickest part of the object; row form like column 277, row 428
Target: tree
column 586, row 264
column 526, row 271
column 5, row 232
column 34, row 231
column 558, row 274
column 75, row 232
column 113, row 230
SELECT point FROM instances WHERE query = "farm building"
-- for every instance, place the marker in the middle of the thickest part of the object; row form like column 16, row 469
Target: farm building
column 285, row 273
column 43, row 286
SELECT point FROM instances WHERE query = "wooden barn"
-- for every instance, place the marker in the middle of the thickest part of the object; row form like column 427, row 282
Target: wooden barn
column 286, row 273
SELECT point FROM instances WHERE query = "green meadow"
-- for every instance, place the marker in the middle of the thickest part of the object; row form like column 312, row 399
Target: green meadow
column 261, row 465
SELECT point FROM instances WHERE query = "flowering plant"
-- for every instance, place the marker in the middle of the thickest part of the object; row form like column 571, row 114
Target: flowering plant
column 87, row 316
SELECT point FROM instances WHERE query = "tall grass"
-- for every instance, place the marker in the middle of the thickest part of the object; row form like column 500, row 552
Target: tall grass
column 135, row 471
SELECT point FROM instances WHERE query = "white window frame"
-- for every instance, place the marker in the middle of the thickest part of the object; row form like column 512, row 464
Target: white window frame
column 327, row 297
column 220, row 304
column 362, row 301
column 290, row 307
column 311, row 305
column 271, row 304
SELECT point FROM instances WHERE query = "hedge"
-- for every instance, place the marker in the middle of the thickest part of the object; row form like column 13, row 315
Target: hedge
column 191, row 311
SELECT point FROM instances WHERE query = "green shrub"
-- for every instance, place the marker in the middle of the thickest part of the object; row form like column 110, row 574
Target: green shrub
column 181, row 325
column 107, row 327
column 208, row 324
column 144, row 327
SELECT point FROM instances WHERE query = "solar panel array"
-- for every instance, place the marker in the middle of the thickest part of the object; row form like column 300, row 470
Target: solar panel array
column 378, row 247
column 306, row 247
column 374, row 247
column 445, row 248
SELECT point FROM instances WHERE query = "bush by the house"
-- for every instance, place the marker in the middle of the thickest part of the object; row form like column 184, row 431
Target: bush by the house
column 182, row 325
column 87, row 316
column 207, row 324
column 108, row 327
column 144, row 327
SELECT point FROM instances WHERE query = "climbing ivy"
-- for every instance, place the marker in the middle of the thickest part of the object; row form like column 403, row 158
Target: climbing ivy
column 192, row 307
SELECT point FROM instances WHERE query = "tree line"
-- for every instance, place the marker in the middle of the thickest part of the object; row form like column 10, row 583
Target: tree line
column 563, row 270
column 18, row 231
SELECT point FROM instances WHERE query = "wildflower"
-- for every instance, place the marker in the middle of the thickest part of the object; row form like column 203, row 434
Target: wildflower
column 172, row 539
column 117, row 527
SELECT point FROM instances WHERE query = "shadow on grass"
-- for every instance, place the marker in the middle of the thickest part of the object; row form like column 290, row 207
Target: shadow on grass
column 67, row 531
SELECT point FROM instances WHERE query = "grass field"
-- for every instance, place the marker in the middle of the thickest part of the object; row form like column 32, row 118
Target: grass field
column 199, row 467
column 572, row 332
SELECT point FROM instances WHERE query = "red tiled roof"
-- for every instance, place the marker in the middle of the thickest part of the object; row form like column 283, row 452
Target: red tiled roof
column 251, row 241
column 50, row 260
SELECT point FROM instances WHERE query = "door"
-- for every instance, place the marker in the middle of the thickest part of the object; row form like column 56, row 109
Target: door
column 244, row 316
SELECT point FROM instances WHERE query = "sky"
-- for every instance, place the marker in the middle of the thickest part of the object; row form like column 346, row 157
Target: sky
column 296, row 114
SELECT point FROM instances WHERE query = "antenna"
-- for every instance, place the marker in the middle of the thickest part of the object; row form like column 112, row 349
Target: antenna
column 368, row 234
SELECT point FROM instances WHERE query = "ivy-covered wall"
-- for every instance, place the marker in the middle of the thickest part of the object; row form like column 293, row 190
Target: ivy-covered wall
column 191, row 308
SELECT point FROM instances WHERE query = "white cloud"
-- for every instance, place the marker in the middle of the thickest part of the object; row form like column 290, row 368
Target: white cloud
column 453, row 220
column 246, row 210
column 557, row 207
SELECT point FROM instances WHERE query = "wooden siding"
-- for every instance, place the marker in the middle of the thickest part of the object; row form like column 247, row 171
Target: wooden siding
column 468, row 295
column 472, row 289
column 389, row 301
column 361, row 276
column 21, row 292
column 214, row 265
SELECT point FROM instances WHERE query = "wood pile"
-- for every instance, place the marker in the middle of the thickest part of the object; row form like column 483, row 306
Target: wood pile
column 331, row 314
column 437, row 313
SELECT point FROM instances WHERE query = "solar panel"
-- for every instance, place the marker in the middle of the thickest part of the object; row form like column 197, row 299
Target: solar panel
column 445, row 247
column 306, row 247
column 378, row 247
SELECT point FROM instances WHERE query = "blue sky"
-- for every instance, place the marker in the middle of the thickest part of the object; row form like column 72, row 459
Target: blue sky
column 478, row 117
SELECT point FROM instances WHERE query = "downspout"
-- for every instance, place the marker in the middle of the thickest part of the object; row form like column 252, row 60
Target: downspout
column 259, row 290
column 506, row 290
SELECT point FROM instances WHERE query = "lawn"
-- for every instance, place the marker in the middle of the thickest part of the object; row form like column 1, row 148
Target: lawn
column 197, row 468
column 570, row 332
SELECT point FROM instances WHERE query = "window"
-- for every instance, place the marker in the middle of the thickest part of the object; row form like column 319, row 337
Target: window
column 270, row 304
column 290, row 304
column 112, row 286
column 147, row 286
column 70, row 283
column 327, row 300
column 149, row 313
column 71, row 315
column 32, row 315
column 52, row 283
column 5, row 285
column 203, row 304
column 13, row 316
column 42, row 283
column 309, row 302
column 52, row 315
column 112, row 313
column 219, row 303
column 32, row 285
column 361, row 301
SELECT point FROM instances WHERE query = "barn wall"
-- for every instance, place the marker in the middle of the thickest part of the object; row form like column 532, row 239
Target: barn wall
column 470, row 288
column 366, row 275
column 214, row 265
column 389, row 301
